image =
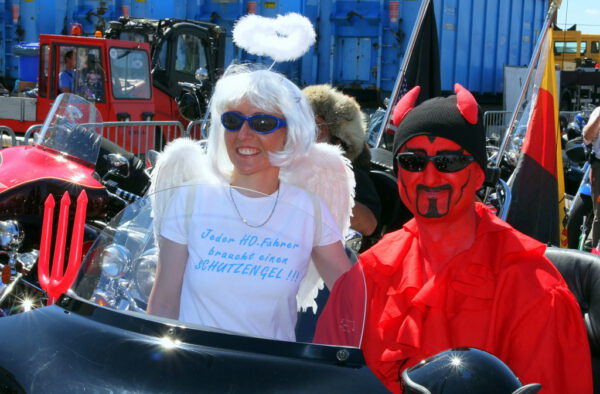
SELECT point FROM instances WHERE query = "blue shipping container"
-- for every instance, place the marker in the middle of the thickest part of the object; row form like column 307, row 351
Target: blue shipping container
column 360, row 42
column 478, row 38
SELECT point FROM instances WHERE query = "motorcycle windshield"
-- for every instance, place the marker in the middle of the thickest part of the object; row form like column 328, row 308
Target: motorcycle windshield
column 73, row 127
column 228, row 259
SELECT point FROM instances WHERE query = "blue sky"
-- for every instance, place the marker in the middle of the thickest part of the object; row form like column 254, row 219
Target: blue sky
column 584, row 13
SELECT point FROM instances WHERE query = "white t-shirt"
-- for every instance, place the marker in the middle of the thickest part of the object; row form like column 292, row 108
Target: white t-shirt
column 241, row 278
column 596, row 142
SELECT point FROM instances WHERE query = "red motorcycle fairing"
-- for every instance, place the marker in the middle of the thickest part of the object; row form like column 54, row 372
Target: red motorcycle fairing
column 29, row 174
column 24, row 164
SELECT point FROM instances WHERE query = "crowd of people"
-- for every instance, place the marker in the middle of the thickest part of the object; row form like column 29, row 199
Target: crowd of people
column 453, row 276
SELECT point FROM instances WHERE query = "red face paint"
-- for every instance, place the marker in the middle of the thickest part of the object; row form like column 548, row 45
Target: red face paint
column 433, row 194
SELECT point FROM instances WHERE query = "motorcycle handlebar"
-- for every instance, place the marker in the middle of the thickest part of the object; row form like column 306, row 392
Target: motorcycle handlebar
column 190, row 85
column 118, row 193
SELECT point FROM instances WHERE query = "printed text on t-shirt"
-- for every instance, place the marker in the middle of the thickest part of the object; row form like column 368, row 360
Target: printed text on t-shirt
column 261, row 257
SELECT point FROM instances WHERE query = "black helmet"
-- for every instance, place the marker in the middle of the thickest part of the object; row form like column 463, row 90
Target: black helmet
column 463, row 370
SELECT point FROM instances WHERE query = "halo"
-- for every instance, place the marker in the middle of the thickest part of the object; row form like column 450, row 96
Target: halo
column 284, row 38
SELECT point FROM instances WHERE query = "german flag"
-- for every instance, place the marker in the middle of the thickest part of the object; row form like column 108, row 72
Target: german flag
column 537, row 207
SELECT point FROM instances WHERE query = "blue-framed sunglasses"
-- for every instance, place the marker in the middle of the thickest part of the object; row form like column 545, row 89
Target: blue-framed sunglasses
column 447, row 162
column 261, row 123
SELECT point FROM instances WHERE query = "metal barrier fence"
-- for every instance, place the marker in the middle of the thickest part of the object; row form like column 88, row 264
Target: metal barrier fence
column 495, row 123
column 135, row 137
column 194, row 130
column 7, row 133
column 30, row 133
column 569, row 115
column 139, row 137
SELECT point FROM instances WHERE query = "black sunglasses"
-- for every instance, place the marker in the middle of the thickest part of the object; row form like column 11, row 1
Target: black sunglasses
column 261, row 123
column 447, row 162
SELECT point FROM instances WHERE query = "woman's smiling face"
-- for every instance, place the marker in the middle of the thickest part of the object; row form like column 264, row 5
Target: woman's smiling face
column 249, row 150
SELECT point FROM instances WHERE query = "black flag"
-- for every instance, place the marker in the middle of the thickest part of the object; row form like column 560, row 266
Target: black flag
column 424, row 65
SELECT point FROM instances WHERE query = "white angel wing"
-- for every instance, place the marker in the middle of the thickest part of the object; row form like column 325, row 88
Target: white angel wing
column 325, row 172
column 181, row 161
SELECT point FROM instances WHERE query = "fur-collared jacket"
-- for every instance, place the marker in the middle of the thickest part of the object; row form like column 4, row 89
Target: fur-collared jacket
column 341, row 114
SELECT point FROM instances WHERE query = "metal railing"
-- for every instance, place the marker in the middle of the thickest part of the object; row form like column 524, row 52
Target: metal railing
column 194, row 130
column 30, row 133
column 495, row 124
column 8, row 136
column 135, row 137
column 569, row 115
column 139, row 137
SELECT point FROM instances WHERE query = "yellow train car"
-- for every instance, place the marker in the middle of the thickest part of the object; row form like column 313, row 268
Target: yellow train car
column 571, row 48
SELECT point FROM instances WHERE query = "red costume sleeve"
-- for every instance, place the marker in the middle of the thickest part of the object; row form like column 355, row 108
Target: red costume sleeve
column 342, row 319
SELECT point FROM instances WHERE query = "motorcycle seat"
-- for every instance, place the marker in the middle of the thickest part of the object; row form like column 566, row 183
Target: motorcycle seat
column 581, row 271
column 394, row 212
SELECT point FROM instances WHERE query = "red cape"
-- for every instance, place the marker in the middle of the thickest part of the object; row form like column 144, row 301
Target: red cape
column 502, row 296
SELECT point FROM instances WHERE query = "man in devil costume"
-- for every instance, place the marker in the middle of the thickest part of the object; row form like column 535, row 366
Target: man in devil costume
column 456, row 275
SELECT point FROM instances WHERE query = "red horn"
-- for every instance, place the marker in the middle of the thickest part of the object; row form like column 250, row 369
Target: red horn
column 467, row 106
column 406, row 103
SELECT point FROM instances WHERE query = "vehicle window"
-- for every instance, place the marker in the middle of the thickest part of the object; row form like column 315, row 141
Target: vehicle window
column 132, row 36
column 79, row 70
column 65, row 70
column 595, row 47
column 130, row 73
column 190, row 54
column 582, row 47
column 565, row 47
column 162, row 57
column 43, row 83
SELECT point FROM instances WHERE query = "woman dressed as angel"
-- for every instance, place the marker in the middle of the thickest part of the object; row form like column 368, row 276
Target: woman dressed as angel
column 241, row 257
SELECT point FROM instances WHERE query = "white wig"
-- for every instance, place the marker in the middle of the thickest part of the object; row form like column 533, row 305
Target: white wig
column 271, row 92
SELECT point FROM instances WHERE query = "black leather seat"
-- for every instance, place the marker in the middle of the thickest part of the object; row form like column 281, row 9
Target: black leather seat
column 394, row 212
column 581, row 271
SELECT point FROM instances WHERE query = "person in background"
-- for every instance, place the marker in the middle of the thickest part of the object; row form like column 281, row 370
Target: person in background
column 340, row 121
column 65, row 77
column 456, row 275
column 91, row 85
column 591, row 133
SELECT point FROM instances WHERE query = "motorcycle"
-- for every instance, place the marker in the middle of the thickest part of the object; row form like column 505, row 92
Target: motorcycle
column 193, row 100
column 98, row 337
column 100, row 325
column 68, row 155
column 574, row 128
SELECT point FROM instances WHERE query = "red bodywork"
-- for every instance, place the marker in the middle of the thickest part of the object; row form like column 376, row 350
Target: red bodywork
column 28, row 174
column 41, row 164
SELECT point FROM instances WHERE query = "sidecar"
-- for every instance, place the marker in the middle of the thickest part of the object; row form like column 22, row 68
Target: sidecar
column 98, row 338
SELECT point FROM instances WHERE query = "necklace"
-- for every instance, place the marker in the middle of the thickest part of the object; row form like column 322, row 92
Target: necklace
column 244, row 219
